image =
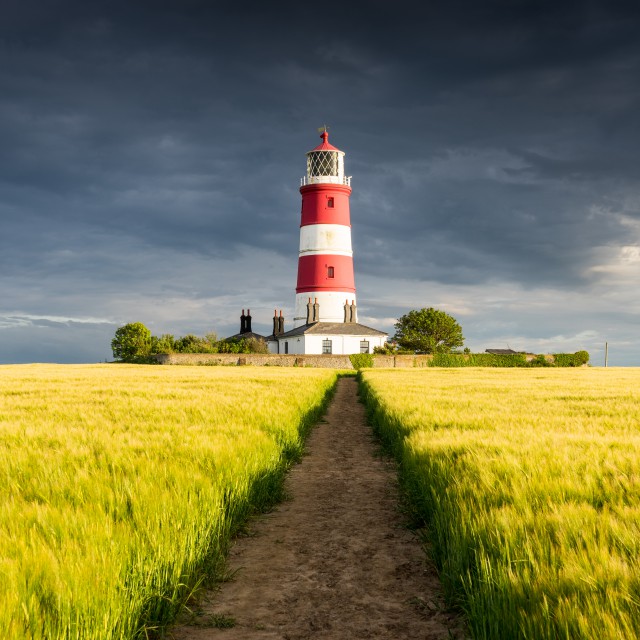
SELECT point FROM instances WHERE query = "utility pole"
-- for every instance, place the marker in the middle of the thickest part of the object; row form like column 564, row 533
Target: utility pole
column 606, row 354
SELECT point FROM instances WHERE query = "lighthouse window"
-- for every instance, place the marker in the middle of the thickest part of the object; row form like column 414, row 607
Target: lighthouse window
column 322, row 163
column 330, row 273
column 326, row 346
column 364, row 346
column 330, row 203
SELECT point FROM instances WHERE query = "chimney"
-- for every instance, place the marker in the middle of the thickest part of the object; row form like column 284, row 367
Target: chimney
column 281, row 323
column 354, row 312
column 275, row 322
column 316, row 311
column 248, row 321
column 309, row 312
column 243, row 323
column 347, row 311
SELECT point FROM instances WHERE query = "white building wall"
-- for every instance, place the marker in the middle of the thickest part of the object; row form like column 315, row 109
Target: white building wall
column 311, row 344
column 296, row 345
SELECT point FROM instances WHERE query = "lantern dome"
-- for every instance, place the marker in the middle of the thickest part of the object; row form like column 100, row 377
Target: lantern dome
column 325, row 164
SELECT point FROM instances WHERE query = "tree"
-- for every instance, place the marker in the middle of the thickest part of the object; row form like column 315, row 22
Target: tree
column 132, row 342
column 166, row 343
column 428, row 331
column 194, row 344
column 254, row 345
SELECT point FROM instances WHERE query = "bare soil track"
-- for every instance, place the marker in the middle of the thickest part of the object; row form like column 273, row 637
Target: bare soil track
column 334, row 561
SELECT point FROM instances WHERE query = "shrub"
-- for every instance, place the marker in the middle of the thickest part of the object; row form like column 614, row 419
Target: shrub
column 256, row 346
column 361, row 360
column 541, row 361
column 478, row 360
column 577, row 359
column 195, row 344
column 166, row 343
column 511, row 360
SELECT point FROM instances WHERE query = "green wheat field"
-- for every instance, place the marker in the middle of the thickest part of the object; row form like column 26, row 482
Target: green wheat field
column 121, row 486
column 528, row 482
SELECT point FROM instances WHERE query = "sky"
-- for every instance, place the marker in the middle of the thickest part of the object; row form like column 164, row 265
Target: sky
column 151, row 156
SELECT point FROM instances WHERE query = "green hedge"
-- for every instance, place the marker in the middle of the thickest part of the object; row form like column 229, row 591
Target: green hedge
column 478, row 360
column 576, row 359
column 512, row 360
column 491, row 360
column 361, row 360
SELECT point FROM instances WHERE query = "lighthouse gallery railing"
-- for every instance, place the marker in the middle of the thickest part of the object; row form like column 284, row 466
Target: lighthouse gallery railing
column 330, row 179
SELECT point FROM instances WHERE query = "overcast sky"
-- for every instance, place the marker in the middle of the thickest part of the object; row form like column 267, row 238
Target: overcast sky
column 151, row 155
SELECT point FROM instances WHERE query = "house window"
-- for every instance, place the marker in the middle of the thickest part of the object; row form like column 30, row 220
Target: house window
column 326, row 346
column 286, row 347
column 364, row 346
column 330, row 272
column 330, row 203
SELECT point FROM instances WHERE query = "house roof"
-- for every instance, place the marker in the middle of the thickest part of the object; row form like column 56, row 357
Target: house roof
column 332, row 329
column 246, row 336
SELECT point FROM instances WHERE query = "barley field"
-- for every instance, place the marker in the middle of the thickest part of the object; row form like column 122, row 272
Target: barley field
column 120, row 486
column 528, row 482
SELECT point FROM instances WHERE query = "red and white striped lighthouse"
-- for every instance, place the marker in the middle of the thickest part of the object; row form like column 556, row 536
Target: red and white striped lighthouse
column 325, row 263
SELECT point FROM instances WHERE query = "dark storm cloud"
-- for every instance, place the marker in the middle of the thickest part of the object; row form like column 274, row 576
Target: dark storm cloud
column 488, row 142
column 474, row 226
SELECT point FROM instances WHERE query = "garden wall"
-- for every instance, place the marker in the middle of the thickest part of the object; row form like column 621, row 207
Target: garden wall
column 281, row 360
column 377, row 361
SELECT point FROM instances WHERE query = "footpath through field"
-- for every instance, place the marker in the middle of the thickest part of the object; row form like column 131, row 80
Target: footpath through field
column 334, row 561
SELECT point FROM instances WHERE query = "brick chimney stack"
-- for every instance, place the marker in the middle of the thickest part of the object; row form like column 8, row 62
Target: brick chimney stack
column 243, row 323
column 281, row 323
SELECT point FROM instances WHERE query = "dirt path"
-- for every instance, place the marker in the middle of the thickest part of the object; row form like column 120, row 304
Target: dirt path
column 334, row 561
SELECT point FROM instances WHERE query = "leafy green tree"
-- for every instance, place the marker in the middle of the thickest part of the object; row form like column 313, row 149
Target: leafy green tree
column 581, row 357
column 428, row 331
column 242, row 345
column 254, row 345
column 392, row 348
column 235, row 345
column 211, row 337
column 166, row 343
column 194, row 344
column 132, row 342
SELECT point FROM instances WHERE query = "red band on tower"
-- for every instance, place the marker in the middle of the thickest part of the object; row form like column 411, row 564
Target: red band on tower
column 314, row 274
column 325, row 204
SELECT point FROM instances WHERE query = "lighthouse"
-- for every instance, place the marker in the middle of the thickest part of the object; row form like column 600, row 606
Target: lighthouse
column 326, row 314
column 325, row 259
